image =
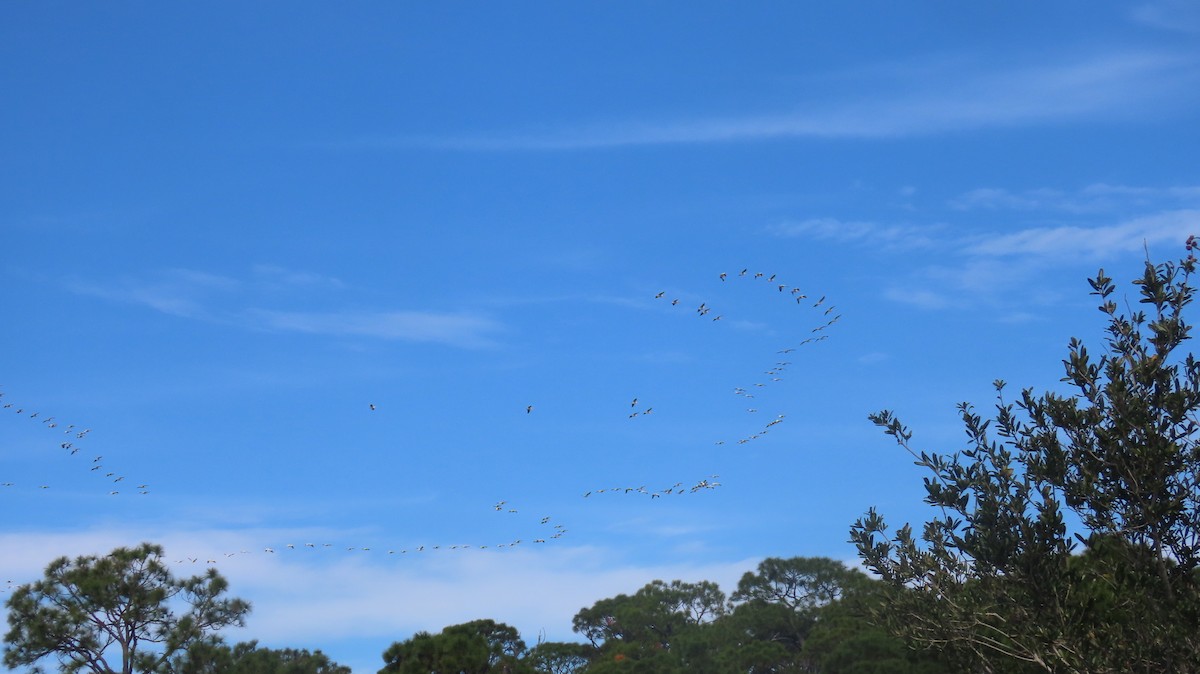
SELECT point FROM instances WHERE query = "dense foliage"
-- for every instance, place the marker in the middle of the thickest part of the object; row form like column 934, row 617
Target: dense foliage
column 792, row 615
column 215, row 657
column 118, row 612
column 998, row 581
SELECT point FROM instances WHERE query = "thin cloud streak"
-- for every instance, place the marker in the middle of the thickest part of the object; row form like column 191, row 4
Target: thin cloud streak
column 848, row 231
column 1096, row 198
column 415, row 326
column 1093, row 242
column 1106, row 85
column 1172, row 15
column 992, row 267
column 193, row 294
column 276, row 276
column 1068, row 241
column 175, row 292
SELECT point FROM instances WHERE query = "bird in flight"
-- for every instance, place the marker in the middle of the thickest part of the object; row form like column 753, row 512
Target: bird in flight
column 528, row 409
column 372, row 406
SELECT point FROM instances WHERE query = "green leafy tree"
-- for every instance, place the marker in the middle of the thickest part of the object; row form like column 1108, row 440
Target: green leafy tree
column 845, row 639
column 475, row 647
column 420, row 653
column 213, row 657
column 558, row 657
column 663, row 627
column 504, row 644
column 995, row 580
column 776, row 608
column 806, row 614
column 121, row 612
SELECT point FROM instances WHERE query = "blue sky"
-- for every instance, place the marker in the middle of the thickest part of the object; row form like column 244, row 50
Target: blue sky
column 228, row 231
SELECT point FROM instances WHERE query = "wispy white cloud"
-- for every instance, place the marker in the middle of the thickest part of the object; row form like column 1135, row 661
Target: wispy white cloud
column 1092, row 242
column 922, row 298
column 1096, row 198
column 990, row 270
column 995, row 199
column 177, row 292
column 974, row 269
column 415, row 326
column 1171, row 15
column 921, row 102
column 237, row 302
column 849, row 231
column 275, row 275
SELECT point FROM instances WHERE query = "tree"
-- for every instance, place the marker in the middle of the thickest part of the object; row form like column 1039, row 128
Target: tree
column 557, row 657
column 121, row 607
column 474, row 647
column 809, row 614
column 845, row 640
column 663, row 627
column 211, row 656
column 996, row 580
column 777, row 607
column 504, row 643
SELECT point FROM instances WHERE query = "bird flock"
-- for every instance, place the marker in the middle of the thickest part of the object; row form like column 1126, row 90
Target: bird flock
column 677, row 489
column 552, row 532
column 73, row 446
column 547, row 529
column 774, row 374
